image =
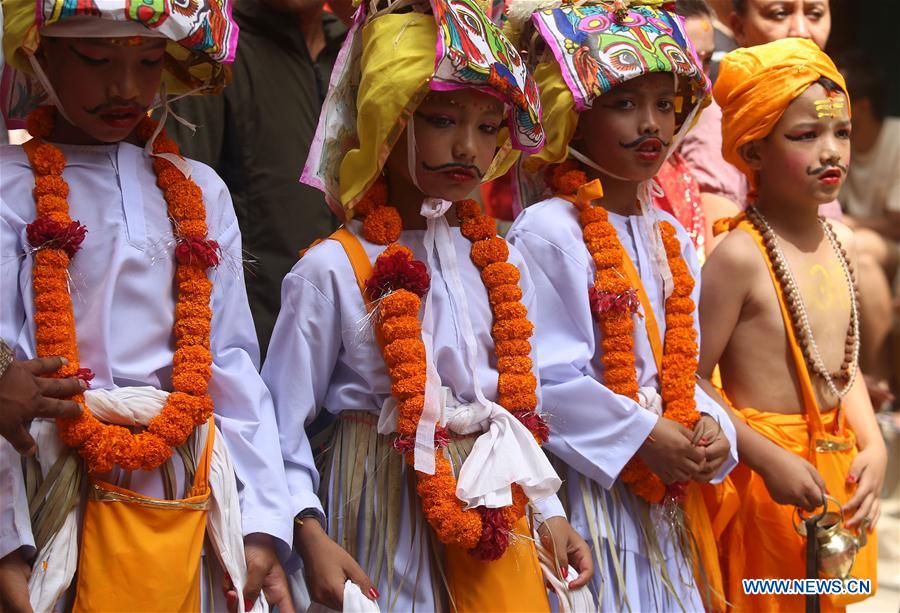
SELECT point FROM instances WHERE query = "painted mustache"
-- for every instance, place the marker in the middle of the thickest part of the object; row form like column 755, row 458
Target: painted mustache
column 117, row 105
column 641, row 139
column 821, row 169
column 454, row 166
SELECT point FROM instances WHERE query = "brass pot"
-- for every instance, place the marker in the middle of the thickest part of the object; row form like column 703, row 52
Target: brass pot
column 837, row 546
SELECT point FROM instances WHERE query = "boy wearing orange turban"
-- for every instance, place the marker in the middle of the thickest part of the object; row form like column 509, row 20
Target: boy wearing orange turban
column 787, row 127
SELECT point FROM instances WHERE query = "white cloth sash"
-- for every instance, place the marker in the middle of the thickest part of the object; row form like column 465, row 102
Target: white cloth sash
column 56, row 563
column 505, row 454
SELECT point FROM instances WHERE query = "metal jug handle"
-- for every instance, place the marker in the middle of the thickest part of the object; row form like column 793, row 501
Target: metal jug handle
column 800, row 519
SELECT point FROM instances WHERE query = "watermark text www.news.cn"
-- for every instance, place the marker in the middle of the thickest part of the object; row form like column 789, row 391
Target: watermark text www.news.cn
column 807, row 587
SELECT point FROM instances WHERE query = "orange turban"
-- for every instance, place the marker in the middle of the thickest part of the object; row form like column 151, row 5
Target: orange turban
column 755, row 85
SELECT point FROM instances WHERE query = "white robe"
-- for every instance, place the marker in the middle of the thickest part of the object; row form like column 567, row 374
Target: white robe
column 323, row 355
column 593, row 430
column 123, row 298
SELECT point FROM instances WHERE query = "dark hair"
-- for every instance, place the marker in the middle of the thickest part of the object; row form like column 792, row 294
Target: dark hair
column 693, row 8
column 865, row 81
column 739, row 6
column 830, row 86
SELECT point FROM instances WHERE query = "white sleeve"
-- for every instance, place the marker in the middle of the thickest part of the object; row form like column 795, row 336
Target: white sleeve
column 243, row 406
column 592, row 429
column 299, row 364
column 15, row 522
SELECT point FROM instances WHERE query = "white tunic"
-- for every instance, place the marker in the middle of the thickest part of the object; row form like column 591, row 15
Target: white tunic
column 323, row 355
column 593, row 430
column 123, row 297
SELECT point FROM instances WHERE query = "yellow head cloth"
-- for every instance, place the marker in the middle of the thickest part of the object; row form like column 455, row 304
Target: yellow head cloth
column 198, row 48
column 755, row 86
column 397, row 66
column 560, row 116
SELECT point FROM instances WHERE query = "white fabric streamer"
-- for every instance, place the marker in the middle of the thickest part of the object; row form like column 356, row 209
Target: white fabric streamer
column 56, row 563
column 354, row 602
column 569, row 601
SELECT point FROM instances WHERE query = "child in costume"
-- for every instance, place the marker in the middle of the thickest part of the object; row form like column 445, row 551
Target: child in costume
column 787, row 127
column 619, row 281
column 410, row 328
column 125, row 259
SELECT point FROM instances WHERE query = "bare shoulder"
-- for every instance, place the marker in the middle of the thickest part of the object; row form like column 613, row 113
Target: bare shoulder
column 845, row 236
column 736, row 256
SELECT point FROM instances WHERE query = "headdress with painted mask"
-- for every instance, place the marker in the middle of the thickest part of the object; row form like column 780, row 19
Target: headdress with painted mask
column 202, row 39
column 392, row 58
column 581, row 50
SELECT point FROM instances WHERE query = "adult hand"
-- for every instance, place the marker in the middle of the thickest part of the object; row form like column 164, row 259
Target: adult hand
column 670, row 453
column 327, row 566
column 14, row 574
column 560, row 539
column 25, row 395
column 791, row 480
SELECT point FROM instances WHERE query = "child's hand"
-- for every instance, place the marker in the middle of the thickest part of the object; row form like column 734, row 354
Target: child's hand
column 708, row 435
column 560, row 539
column 867, row 471
column 264, row 573
column 670, row 453
column 791, row 480
column 14, row 574
column 327, row 566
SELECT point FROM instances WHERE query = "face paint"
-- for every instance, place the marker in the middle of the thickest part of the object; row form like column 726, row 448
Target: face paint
column 829, row 107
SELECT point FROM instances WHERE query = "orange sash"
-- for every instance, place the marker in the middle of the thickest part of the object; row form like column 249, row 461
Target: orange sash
column 705, row 554
column 140, row 553
column 761, row 542
column 512, row 583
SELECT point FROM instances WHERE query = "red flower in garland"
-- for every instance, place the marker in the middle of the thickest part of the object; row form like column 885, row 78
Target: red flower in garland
column 677, row 491
column 406, row 443
column 398, row 271
column 47, row 232
column 535, row 424
column 494, row 535
column 192, row 249
column 86, row 375
column 607, row 302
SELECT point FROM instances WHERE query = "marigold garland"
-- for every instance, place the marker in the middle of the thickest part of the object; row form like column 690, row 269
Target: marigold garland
column 399, row 282
column 613, row 303
column 55, row 238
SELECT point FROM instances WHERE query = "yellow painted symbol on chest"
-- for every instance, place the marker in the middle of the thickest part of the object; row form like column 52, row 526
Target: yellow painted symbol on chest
column 827, row 289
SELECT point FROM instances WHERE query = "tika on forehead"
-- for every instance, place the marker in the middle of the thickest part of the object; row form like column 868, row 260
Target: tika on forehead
column 830, row 106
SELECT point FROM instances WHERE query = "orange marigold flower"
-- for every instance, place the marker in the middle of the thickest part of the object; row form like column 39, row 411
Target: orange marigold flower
column 409, row 386
column 375, row 197
column 524, row 401
column 169, row 177
column 404, row 370
column 514, row 364
column 467, row 208
column 479, row 228
column 145, row 129
column 396, row 328
column 513, row 347
column 489, row 251
column 511, row 383
column 499, row 273
column 192, row 227
column 510, row 292
column 401, row 302
column 40, row 121
column 510, row 310
column 48, row 160
column 512, row 329
column 405, row 350
column 382, row 226
column 164, row 144
column 50, row 185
